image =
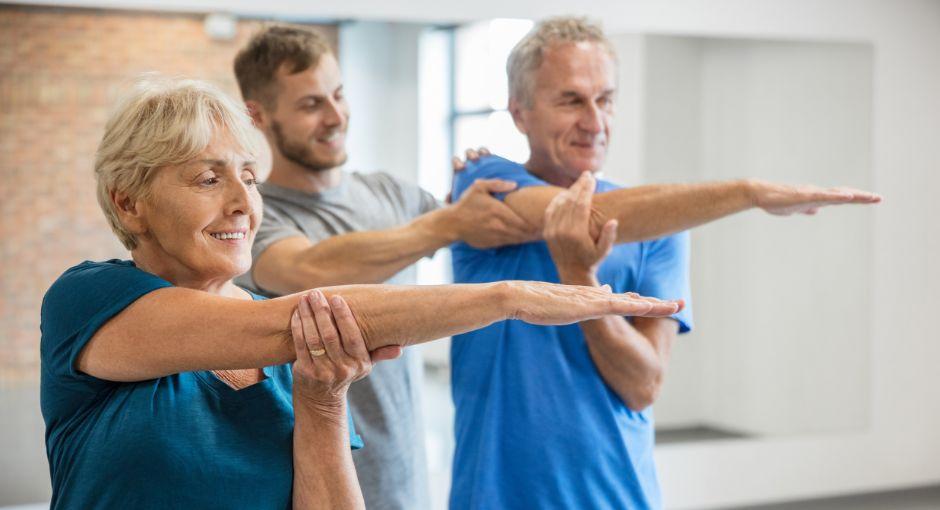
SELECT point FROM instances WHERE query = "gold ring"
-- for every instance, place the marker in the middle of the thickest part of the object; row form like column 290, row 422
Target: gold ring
column 317, row 352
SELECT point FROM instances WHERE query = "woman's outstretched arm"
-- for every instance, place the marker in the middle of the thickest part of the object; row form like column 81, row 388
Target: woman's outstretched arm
column 175, row 330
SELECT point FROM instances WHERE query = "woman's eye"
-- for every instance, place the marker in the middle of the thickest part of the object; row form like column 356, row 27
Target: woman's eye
column 209, row 181
column 251, row 181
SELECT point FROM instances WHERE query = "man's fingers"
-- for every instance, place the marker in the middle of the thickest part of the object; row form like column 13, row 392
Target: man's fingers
column 349, row 332
column 495, row 185
column 513, row 221
column 484, row 152
column 457, row 164
column 472, row 155
column 388, row 352
column 605, row 241
column 862, row 196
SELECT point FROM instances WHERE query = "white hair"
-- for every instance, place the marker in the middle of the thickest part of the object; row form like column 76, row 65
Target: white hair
column 162, row 121
column 526, row 56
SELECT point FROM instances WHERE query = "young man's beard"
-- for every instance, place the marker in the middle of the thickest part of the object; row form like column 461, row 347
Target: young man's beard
column 300, row 154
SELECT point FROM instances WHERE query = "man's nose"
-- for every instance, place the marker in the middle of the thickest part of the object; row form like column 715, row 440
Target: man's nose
column 335, row 113
column 591, row 119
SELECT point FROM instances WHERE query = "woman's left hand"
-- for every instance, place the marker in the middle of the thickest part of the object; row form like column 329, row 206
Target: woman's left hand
column 329, row 356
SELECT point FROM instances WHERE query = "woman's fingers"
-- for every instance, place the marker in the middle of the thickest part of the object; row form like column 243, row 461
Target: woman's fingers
column 385, row 353
column 349, row 332
column 297, row 334
column 309, row 328
column 648, row 307
column 328, row 333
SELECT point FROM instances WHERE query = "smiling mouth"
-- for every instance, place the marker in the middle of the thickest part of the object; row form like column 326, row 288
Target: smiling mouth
column 226, row 236
column 332, row 138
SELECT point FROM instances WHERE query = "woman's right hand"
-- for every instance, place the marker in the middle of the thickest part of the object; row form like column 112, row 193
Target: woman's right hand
column 554, row 304
column 329, row 358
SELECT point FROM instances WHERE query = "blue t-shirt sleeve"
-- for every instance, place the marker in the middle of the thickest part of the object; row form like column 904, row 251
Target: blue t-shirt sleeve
column 82, row 300
column 665, row 274
column 494, row 167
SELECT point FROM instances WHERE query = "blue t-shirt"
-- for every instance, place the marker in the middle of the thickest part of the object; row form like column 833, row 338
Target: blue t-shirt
column 182, row 441
column 536, row 426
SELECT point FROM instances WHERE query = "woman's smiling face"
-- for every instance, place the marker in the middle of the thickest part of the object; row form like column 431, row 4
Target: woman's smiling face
column 199, row 218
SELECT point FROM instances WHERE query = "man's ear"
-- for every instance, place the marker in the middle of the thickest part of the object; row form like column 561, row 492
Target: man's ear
column 256, row 112
column 129, row 213
column 518, row 115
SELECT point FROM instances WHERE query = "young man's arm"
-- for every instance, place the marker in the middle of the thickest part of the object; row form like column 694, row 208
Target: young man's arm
column 296, row 263
column 656, row 210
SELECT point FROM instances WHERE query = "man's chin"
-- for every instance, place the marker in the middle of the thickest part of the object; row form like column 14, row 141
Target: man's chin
column 327, row 163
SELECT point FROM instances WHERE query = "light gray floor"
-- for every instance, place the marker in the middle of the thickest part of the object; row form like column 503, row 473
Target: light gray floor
column 926, row 498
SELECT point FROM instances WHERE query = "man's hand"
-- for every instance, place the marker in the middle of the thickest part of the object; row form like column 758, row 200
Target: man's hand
column 577, row 255
column 459, row 165
column 783, row 200
column 482, row 221
column 471, row 155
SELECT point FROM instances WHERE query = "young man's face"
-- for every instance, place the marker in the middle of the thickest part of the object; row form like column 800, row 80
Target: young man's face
column 310, row 117
column 568, row 124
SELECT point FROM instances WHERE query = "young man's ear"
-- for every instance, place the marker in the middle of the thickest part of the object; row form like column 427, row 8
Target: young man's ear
column 256, row 112
column 129, row 213
column 517, row 110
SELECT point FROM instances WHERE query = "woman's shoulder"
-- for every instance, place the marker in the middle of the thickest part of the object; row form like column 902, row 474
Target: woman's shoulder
column 88, row 288
column 110, row 275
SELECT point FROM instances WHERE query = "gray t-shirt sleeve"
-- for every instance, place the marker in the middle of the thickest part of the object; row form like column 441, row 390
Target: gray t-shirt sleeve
column 275, row 226
column 414, row 199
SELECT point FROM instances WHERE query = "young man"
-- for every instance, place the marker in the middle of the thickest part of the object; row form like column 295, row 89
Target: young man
column 326, row 226
column 559, row 417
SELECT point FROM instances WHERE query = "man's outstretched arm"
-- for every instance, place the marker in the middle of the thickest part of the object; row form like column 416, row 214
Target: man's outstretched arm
column 296, row 263
column 656, row 210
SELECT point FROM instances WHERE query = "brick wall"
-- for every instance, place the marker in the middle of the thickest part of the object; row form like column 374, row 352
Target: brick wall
column 60, row 73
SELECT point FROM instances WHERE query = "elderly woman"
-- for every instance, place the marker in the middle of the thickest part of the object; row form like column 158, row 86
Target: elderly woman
column 164, row 385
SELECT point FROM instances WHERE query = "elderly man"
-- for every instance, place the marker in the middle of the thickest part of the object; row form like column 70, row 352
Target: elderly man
column 559, row 417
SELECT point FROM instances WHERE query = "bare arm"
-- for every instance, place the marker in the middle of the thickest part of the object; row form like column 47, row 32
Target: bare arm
column 648, row 212
column 324, row 473
column 631, row 360
column 176, row 330
column 295, row 264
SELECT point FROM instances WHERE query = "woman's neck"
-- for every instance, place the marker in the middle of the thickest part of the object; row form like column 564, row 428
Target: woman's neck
column 180, row 276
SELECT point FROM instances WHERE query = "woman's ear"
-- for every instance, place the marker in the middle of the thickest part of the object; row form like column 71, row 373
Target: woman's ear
column 129, row 212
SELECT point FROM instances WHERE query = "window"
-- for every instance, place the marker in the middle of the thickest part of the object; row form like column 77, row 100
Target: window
column 479, row 116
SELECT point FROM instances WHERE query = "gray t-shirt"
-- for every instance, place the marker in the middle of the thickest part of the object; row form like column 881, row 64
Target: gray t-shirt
column 386, row 405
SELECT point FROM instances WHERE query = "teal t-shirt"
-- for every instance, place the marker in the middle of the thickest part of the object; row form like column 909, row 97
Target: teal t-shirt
column 182, row 441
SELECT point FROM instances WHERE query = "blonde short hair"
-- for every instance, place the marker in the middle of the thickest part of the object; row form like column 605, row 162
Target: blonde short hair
column 161, row 121
column 526, row 56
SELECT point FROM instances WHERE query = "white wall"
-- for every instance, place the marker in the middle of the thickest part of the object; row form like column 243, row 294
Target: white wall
column 782, row 343
column 379, row 62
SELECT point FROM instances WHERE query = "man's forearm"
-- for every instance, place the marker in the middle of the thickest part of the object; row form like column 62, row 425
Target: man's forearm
column 625, row 358
column 371, row 256
column 645, row 212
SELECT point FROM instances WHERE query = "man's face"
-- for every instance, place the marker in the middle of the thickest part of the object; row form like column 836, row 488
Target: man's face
column 310, row 117
column 568, row 123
